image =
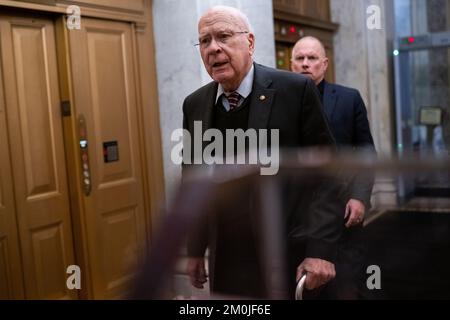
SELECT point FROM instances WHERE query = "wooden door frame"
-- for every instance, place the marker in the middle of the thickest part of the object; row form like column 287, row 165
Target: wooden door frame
column 73, row 159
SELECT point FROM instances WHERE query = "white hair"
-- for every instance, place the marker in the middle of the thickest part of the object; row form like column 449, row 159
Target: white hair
column 234, row 12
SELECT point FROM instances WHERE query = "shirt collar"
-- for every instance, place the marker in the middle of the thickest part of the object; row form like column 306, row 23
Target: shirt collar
column 321, row 86
column 245, row 88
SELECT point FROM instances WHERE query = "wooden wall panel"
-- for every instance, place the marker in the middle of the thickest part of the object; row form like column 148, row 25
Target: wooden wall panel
column 35, row 114
column 48, row 253
column 319, row 9
column 120, row 232
column 128, row 5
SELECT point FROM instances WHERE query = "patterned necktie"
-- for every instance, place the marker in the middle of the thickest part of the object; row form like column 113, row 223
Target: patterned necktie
column 233, row 99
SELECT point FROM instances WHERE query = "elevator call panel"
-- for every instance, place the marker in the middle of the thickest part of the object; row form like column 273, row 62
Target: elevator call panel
column 84, row 154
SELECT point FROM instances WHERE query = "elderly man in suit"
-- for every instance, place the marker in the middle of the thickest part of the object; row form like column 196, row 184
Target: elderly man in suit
column 245, row 95
column 347, row 116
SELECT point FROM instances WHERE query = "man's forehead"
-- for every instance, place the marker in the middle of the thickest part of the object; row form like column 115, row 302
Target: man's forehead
column 216, row 26
column 306, row 51
column 309, row 48
column 218, row 21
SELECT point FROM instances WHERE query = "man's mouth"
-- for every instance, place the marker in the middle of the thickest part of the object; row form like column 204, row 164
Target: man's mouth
column 219, row 64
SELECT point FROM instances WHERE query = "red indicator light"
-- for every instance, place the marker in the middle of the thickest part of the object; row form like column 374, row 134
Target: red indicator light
column 292, row 29
column 411, row 39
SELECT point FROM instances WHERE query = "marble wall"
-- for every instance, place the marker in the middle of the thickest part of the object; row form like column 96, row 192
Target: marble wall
column 179, row 67
column 366, row 65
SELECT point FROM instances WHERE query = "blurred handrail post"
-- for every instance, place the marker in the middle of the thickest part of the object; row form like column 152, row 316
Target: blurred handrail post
column 273, row 251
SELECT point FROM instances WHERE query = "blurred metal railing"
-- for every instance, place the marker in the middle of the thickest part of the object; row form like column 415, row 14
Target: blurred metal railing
column 204, row 187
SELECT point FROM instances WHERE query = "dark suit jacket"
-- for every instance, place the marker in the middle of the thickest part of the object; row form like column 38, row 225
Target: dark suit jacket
column 347, row 116
column 292, row 105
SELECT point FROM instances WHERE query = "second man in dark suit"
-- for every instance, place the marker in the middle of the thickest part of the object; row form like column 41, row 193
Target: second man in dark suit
column 347, row 116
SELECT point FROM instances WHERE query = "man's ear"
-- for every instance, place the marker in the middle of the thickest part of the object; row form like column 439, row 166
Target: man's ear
column 325, row 63
column 251, row 43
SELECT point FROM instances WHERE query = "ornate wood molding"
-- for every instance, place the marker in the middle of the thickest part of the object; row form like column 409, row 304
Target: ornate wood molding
column 139, row 27
column 288, row 16
column 87, row 9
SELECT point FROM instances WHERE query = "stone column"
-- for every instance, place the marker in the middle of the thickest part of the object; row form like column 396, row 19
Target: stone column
column 363, row 61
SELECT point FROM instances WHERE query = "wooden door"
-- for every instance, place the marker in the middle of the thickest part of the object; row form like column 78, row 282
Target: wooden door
column 104, row 93
column 11, row 276
column 34, row 129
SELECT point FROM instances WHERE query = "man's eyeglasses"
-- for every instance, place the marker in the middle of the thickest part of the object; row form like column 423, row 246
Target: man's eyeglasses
column 222, row 37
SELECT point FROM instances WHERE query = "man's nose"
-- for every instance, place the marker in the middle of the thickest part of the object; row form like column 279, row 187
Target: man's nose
column 214, row 46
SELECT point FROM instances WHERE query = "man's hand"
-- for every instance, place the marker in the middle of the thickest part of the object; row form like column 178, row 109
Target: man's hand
column 197, row 272
column 318, row 272
column 355, row 211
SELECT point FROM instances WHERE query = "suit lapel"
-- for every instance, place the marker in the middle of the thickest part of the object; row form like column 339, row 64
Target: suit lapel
column 329, row 100
column 261, row 100
column 209, row 105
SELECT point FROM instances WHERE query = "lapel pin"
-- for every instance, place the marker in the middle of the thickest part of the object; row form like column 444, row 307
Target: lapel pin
column 262, row 98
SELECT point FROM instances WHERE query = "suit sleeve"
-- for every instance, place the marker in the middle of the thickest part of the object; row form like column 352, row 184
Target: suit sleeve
column 324, row 221
column 197, row 240
column 362, row 184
